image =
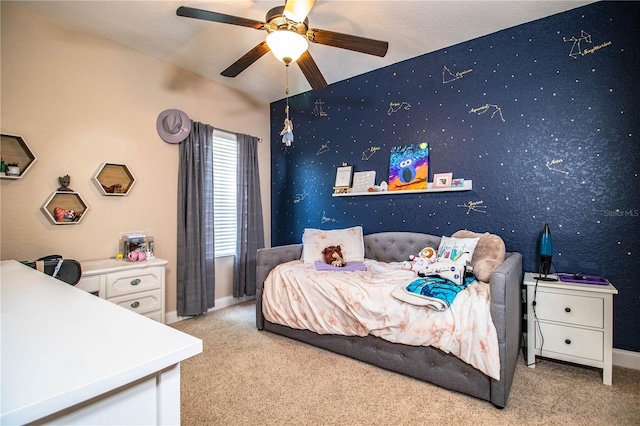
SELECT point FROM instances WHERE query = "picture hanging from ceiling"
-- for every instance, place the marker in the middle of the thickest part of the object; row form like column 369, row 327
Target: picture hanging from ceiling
column 409, row 167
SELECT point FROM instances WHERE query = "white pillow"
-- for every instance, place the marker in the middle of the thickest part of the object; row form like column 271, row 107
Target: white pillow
column 350, row 240
column 453, row 248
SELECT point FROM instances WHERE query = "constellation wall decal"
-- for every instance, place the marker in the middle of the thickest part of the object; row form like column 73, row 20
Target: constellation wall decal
column 300, row 197
column 397, row 106
column 317, row 109
column 323, row 148
column 367, row 153
column 448, row 76
column 576, row 47
column 552, row 165
column 487, row 107
column 476, row 206
column 326, row 219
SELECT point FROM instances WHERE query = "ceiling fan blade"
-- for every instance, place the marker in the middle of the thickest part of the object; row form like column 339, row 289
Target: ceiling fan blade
column 297, row 10
column 311, row 71
column 349, row 42
column 206, row 15
column 249, row 58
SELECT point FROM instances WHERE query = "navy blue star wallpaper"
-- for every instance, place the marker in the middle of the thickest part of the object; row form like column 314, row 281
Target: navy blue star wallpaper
column 542, row 118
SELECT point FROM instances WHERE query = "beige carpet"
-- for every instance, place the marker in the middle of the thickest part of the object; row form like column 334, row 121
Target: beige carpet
column 250, row 377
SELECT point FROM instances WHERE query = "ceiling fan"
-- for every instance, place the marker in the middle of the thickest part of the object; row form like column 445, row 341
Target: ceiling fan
column 288, row 37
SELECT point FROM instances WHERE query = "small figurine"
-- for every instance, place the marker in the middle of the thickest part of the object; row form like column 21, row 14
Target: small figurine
column 64, row 183
column 287, row 132
column 63, row 215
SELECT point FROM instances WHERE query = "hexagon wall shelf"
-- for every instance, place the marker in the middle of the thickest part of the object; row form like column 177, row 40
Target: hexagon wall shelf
column 14, row 149
column 114, row 179
column 65, row 202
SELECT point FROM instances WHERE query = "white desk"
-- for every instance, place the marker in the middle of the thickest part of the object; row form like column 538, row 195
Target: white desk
column 69, row 357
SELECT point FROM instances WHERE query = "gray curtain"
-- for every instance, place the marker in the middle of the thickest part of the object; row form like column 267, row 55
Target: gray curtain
column 250, row 235
column 196, row 259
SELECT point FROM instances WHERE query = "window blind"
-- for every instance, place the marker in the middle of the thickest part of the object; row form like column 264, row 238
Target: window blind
column 225, row 161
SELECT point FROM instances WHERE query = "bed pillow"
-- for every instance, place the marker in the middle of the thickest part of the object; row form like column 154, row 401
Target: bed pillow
column 350, row 240
column 452, row 248
column 490, row 252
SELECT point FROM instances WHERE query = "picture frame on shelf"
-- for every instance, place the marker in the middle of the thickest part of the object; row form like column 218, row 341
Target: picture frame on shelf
column 457, row 183
column 442, row 180
column 344, row 174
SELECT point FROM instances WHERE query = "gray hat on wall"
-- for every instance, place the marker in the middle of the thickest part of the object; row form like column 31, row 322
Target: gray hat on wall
column 173, row 125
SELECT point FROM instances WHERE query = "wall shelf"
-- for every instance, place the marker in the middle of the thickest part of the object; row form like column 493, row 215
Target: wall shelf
column 65, row 200
column 468, row 186
column 114, row 179
column 14, row 149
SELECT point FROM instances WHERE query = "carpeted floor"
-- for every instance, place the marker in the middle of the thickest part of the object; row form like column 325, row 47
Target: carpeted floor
column 250, row 377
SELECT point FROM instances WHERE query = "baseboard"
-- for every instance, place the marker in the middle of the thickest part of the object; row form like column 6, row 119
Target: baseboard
column 224, row 302
column 627, row 359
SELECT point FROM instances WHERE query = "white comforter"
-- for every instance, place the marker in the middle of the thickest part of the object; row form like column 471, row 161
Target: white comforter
column 360, row 303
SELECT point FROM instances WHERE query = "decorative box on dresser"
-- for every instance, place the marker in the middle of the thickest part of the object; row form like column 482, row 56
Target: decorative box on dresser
column 570, row 322
column 137, row 286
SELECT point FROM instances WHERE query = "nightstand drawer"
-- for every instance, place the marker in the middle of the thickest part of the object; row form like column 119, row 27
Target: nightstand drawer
column 127, row 282
column 90, row 284
column 141, row 303
column 571, row 341
column 570, row 309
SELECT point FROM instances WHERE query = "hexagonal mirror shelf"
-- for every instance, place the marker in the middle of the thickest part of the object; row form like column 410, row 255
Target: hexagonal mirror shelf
column 65, row 208
column 17, row 157
column 114, row 179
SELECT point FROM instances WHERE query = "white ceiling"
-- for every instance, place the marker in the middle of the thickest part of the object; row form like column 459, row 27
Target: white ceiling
column 412, row 28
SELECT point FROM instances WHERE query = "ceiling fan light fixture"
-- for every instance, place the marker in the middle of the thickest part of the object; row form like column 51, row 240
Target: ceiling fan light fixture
column 287, row 45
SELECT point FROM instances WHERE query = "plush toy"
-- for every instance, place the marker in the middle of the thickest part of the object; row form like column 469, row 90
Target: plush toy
column 488, row 254
column 421, row 262
column 333, row 256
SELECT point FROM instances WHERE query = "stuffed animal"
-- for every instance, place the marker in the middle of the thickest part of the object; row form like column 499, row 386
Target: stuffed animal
column 333, row 256
column 421, row 262
column 488, row 254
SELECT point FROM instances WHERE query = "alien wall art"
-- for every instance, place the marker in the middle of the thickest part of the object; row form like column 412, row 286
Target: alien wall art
column 409, row 167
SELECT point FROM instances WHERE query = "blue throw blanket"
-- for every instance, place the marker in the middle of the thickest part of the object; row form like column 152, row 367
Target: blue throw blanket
column 440, row 292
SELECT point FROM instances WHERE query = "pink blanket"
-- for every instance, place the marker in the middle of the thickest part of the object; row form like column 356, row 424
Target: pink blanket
column 358, row 303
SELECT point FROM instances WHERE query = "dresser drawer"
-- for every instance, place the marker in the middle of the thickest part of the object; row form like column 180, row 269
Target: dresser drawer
column 578, row 342
column 90, row 284
column 570, row 309
column 127, row 282
column 140, row 303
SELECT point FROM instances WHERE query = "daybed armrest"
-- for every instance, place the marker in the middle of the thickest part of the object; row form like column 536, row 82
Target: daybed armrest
column 267, row 259
column 506, row 312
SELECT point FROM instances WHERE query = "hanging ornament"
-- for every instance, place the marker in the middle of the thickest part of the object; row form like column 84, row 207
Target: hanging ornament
column 287, row 131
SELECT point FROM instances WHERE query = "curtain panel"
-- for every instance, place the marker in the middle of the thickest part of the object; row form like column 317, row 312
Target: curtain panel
column 196, row 257
column 250, row 231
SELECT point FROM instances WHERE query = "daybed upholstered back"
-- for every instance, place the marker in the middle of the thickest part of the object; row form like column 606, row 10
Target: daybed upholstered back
column 397, row 246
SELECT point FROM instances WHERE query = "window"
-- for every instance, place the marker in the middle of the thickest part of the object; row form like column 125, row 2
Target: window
column 225, row 162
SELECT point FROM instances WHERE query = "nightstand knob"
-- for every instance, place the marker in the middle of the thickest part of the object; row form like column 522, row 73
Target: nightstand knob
column 567, row 341
column 567, row 309
column 134, row 305
column 136, row 281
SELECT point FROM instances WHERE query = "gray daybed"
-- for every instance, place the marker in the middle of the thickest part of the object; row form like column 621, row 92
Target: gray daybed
column 425, row 363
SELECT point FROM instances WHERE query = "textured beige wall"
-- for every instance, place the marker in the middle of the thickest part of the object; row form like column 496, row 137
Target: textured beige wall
column 81, row 100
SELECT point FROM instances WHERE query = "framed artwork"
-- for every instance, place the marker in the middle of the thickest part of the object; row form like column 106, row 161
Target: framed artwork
column 409, row 167
column 362, row 181
column 343, row 177
column 442, row 180
column 457, row 183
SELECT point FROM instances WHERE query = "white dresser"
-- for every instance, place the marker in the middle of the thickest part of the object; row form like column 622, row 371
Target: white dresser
column 570, row 322
column 137, row 286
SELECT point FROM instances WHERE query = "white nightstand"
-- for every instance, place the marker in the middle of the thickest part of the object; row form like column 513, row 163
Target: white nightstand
column 570, row 322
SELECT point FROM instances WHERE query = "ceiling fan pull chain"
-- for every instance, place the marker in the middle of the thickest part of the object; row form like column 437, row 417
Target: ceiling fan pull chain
column 287, row 131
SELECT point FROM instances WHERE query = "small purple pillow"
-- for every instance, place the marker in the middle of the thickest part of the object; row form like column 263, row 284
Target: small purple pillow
column 350, row 266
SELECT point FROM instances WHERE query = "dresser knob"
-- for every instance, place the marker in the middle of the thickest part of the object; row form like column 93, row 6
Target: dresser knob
column 135, row 305
column 567, row 309
column 567, row 341
column 135, row 282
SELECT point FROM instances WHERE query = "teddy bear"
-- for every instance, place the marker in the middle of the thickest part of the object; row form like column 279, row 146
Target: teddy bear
column 488, row 254
column 333, row 256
